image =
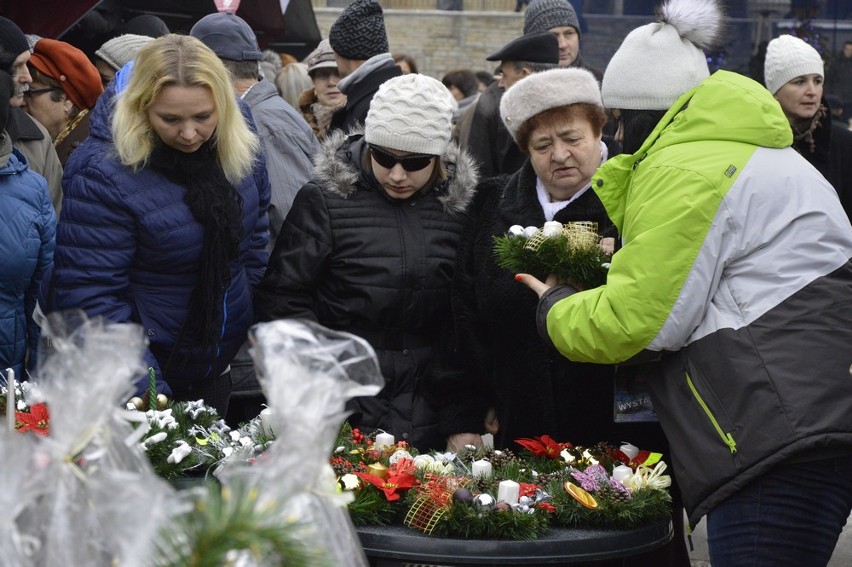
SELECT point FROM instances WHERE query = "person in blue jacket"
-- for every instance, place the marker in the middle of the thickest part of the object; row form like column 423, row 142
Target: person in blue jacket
column 165, row 217
column 26, row 247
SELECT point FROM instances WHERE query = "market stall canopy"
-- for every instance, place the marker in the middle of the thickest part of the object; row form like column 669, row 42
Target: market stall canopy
column 281, row 25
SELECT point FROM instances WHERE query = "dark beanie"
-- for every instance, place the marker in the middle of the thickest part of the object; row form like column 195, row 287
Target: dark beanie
column 359, row 32
column 12, row 43
column 144, row 24
column 544, row 15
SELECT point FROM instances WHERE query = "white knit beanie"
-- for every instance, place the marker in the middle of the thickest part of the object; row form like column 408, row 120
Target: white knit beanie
column 119, row 50
column 411, row 113
column 545, row 90
column 659, row 62
column 788, row 57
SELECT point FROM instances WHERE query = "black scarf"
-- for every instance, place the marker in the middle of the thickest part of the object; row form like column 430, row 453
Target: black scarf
column 217, row 207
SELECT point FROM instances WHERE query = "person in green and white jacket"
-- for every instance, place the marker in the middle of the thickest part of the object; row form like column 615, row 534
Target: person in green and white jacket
column 735, row 274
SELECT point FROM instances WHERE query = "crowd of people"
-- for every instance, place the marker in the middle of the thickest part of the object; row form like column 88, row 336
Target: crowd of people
column 196, row 185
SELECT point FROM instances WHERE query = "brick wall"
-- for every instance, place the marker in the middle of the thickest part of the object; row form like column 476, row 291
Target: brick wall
column 445, row 40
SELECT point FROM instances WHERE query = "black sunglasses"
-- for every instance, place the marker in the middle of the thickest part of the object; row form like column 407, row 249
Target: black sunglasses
column 409, row 163
column 34, row 92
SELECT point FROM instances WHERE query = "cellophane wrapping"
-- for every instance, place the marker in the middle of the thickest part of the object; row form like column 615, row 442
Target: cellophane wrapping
column 308, row 373
column 83, row 494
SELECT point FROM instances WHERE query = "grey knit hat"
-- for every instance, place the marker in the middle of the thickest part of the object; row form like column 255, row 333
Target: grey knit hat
column 411, row 113
column 544, row 15
column 321, row 57
column 118, row 51
column 359, row 32
column 788, row 57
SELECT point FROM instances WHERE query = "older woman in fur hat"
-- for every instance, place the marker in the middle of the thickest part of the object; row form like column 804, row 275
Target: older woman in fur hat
column 65, row 87
column 495, row 373
column 555, row 117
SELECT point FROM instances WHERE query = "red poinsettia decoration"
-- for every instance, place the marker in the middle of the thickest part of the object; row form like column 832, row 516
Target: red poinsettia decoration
column 547, row 507
column 527, row 489
column 400, row 477
column 37, row 419
column 543, row 446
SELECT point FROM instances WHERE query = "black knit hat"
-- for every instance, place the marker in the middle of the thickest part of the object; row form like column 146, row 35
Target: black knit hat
column 12, row 43
column 359, row 32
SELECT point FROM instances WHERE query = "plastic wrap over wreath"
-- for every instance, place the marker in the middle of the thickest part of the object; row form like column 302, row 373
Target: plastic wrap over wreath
column 83, row 493
column 308, row 373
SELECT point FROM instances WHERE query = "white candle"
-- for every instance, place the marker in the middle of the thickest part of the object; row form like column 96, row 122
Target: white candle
column 384, row 440
column 10, row 399
column 630, row 450
column 620, row 473
column 487, row 441
column 508, row 491
column 481, row 468
column 266, row 421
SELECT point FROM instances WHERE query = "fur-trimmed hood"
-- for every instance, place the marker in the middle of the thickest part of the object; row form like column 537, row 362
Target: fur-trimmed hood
column 338, row 168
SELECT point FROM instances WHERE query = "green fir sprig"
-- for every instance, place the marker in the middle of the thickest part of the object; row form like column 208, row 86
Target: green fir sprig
column 231, row 526
column 583, row 266
column 645, row 506
column 464, row 521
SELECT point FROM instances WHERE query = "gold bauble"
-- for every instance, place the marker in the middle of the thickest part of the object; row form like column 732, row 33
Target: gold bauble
column 162, row 401
column 138, row 403
column 378, row 469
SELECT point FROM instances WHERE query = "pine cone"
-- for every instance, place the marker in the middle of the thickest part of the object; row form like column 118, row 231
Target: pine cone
column 499, row 458
column 614, row 496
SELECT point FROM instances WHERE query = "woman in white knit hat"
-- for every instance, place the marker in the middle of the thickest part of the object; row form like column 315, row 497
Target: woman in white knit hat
column 369, row 245
column 795, row 76
column 735, row 276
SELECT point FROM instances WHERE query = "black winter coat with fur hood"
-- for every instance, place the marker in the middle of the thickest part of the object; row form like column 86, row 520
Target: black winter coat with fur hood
column 354, row 259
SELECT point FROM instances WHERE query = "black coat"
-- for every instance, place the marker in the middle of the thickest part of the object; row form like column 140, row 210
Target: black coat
column 832, row 156
column 354, row 259
column 496, row 357
column 359, row 95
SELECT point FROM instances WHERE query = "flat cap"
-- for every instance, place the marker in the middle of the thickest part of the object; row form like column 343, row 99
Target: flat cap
column 534, row 48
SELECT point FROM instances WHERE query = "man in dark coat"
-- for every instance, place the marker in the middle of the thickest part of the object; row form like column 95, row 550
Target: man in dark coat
column 360, row 44
column 488, row 141
column 26, row 133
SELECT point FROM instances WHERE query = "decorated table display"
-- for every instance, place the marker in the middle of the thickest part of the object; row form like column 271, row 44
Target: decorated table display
column 286, row 479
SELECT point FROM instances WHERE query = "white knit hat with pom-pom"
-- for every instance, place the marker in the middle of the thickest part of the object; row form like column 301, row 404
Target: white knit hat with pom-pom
column 659, row 62
column 411, row 113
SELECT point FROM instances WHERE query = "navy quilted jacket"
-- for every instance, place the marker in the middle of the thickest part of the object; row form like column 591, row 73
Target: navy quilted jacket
column 128, row 249
column 26, row 250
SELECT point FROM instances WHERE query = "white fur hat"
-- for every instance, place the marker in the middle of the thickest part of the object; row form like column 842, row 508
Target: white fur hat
column 545, row 90
column 658, row 62
column 411, row 113
column 788, row 57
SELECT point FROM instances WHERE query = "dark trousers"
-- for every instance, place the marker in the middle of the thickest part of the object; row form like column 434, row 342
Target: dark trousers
column 792, row 516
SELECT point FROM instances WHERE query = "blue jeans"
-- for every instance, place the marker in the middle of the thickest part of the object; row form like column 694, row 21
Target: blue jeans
column 792, row 516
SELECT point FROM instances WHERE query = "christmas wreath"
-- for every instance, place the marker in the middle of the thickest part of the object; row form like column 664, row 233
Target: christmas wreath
column 484, row 493
column 572, row 252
